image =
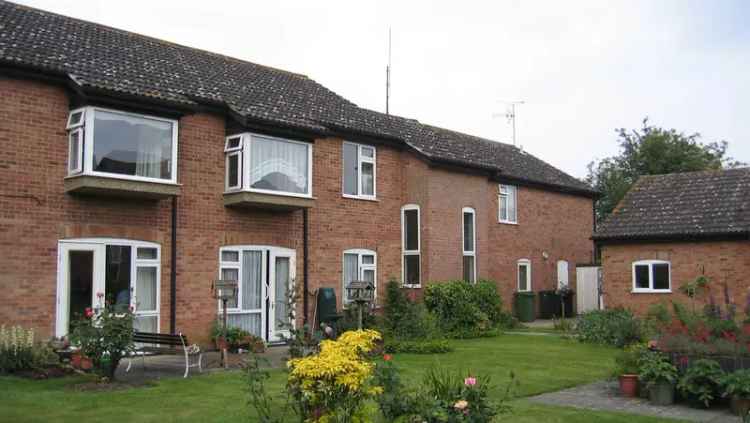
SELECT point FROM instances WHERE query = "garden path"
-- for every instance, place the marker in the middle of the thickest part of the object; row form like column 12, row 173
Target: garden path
column 604, row 395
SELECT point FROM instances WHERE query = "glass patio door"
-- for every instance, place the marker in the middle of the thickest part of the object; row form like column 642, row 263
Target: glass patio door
column 280, row 278
column 80, row 277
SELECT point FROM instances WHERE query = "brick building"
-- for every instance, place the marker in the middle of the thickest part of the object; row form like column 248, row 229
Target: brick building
column 143, row 170
column 671, row 229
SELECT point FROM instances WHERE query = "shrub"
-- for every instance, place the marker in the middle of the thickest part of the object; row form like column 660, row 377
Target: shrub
column 105, row 337
column 406, row 319
column 393, row 402
column 334, row 384
column 259, row 399
column 464, row 310
column 627, row 361
column 425, row 346
column 235, row 337
column 702, row 381
column 617, row 327
column 445, row 396
column 350, row 319
column 19, row 352
column 737, row 384
column 654, row 368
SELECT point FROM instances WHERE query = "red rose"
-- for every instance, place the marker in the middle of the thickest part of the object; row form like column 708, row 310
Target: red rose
column 387, row 357
column 89, row 312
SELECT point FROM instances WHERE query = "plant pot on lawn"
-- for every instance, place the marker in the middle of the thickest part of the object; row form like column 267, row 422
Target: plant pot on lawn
column 629, row 385
column 661, row 393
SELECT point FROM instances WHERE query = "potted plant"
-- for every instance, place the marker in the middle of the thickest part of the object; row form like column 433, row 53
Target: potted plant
column 701, row 383
column 659, row 376
column 737, row 388
column 626, row 370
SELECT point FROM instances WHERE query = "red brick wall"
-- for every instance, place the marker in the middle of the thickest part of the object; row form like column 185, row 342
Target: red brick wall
column 722, row 262
column 33, row 165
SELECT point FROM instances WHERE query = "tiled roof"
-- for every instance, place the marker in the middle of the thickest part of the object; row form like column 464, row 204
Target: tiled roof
column 711, row 203
column 102, row 58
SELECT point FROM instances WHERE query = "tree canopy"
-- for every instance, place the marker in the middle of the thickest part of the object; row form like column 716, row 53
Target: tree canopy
column 651, row 150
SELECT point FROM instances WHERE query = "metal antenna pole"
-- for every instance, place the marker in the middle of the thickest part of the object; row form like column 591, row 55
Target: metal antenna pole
column 511, row 116
column 388, row 76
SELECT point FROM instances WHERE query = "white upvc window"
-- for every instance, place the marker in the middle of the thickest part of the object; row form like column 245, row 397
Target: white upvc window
column 122, row 145
column 359, row 265
column 651, row 276
column 469, row 244
column 233, row 165
column 410, row 245
column 269, row 165
column 507, row 201
column 524, row 275
column 359, row 171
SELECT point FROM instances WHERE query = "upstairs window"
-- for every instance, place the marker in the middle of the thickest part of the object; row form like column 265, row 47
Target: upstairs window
column 469, row 244
column 359, row 265
column 122, row 145
column 652, row 276
column 266, row 164
column 359, row 170
column 507, row 203
column 410, row 245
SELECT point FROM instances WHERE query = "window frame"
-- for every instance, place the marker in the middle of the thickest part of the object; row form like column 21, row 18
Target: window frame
column 404, row 251
column 361, row 268
column 233, row 152
column 79, row 134
column 527, row 263
column 361, row 159
column 504, row 195
column 246, row 141
column 473, row 252
column 651, row 289
column 87, row 125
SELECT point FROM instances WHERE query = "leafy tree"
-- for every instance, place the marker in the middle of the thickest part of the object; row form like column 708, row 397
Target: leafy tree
column 651, row 151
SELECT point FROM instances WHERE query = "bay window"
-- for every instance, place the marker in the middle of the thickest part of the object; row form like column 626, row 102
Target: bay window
column 652, row 276
column 410, row 245
column 359, row 265
column 122, row 145
column 469, row 244
column 259, row 163
column 359, row 170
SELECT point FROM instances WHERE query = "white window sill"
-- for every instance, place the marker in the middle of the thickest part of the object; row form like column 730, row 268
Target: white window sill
column 360, row 197
column 507, row 222
column 528, row 290
column 651, row 291
column 411, row 286
column 119, row 177
column 269, row 192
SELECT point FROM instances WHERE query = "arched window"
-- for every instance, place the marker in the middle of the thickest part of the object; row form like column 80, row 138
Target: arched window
column 524, row 275
column 410, row 245
column 469, row 242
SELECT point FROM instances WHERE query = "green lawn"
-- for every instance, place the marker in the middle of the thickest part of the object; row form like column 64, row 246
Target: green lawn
column 541, row 363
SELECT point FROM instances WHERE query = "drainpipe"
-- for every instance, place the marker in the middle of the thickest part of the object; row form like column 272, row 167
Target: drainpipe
column 305, row 263
column 173, row 272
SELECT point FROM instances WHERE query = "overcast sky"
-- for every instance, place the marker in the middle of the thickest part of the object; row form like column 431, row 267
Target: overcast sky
column 582, row 68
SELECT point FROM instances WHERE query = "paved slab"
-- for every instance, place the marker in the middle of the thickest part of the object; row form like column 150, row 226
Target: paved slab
column 157, row 367
column 605, row 396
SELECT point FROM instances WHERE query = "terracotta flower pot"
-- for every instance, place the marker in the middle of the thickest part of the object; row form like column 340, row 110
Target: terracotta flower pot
column 258, row 347
column 629, row 385
column 79, row 361
column 739, row 405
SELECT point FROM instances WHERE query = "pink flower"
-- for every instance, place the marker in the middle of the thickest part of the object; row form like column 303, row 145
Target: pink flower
column 470, row 381
column 89, row 312
column 387, row 357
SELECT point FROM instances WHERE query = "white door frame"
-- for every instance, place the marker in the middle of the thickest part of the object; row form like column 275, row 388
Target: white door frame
column 62, row 319
column 274, row 253
column 99, row 247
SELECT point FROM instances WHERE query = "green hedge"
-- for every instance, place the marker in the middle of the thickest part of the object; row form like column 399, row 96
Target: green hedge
column 617, row 327
column 425, row 346
column 464, row 310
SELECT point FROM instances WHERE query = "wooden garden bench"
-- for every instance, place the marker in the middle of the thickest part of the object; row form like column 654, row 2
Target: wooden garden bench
column 165, row 343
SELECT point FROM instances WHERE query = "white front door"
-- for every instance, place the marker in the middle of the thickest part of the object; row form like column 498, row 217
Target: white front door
column 264, row 275
column 562, row 273
column 280, row 278
column 80, row 277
